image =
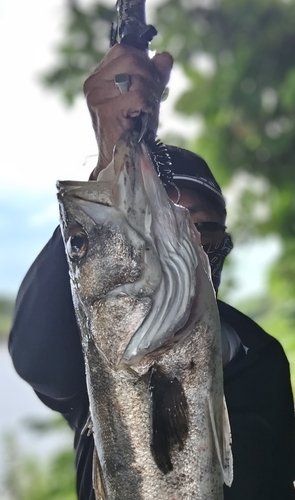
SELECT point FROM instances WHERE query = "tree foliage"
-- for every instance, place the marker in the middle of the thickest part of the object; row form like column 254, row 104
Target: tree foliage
column 247, row 101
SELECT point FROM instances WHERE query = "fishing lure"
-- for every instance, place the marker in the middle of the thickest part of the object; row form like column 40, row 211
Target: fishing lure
column 131, row 29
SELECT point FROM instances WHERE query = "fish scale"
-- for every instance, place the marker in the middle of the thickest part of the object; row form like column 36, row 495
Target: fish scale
column 196, row 470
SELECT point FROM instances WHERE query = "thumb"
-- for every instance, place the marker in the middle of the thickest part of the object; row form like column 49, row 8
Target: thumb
column 163, row 63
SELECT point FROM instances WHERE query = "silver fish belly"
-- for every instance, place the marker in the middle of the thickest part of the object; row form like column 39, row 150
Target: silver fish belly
column 150, row 334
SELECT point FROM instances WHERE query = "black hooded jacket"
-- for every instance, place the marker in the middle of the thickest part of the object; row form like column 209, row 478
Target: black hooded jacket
column 46, row 351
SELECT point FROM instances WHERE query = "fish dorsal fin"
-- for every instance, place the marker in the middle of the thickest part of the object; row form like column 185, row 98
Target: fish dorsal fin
column 169, row 417
column 222, row 440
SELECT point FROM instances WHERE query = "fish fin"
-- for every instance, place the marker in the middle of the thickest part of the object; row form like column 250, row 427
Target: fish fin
column 169, row 411
column 222, row 441
column 97, row 482
column 227, row 448
column 88, row 427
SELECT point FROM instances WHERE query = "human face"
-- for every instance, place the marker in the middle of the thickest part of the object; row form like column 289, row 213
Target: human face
column 200, row 209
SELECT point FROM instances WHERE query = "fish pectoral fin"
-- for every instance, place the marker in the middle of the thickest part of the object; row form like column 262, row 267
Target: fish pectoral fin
column 97, row 481
column 222, row 440
column 169, row 412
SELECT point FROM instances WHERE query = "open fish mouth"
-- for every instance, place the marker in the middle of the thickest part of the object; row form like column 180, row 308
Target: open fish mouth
column 164, row 250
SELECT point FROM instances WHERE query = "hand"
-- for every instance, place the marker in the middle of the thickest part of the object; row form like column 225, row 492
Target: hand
column 113, row 113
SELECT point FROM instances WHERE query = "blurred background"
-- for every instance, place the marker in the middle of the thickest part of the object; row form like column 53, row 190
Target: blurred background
column 232, row 100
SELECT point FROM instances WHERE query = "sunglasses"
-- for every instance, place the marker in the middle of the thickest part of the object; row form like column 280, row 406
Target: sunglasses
column 209, row 227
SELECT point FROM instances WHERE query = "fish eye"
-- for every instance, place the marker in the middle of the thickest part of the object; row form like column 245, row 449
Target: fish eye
column 77, row 245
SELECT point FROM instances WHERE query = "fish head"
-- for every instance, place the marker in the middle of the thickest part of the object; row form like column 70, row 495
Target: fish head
column 133, row 256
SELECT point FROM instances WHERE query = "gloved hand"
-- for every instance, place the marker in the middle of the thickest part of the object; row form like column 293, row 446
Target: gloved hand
column 113, row 113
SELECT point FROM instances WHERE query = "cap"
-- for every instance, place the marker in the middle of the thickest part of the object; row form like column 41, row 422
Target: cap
column 192, row 172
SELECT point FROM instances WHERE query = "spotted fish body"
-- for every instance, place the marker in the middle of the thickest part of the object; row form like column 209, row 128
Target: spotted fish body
column 150, row 334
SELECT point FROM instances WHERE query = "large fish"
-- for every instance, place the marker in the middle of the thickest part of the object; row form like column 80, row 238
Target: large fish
column 150, row 333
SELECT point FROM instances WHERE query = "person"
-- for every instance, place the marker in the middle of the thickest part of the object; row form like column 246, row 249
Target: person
column 45, row 341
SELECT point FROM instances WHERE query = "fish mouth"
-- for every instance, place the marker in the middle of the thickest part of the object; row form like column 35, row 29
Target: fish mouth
column 178, row 246
column 129, row 185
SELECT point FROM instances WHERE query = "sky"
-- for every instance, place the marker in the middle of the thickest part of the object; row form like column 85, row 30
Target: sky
column 42, row 140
